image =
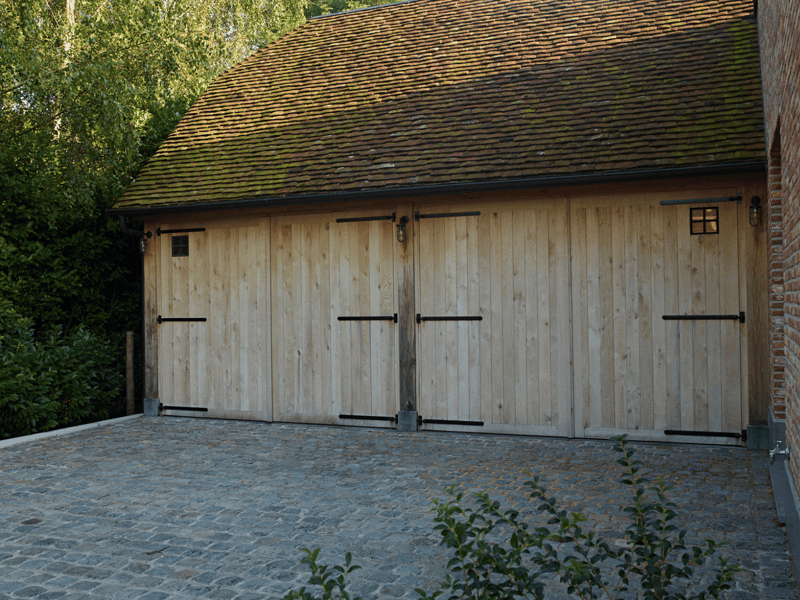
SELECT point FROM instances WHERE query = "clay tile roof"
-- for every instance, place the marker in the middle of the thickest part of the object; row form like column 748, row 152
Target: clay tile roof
column 432, row 92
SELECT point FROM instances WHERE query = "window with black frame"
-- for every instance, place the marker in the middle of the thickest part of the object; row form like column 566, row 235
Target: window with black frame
column 180, row 245
column 704, row 220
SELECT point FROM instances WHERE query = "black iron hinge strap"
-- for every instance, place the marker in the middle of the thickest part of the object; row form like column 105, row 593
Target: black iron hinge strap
column 703, row 433
column 159, row 231
column 367, row 418
column 189, row 408
column 739, row 317
column 453, row 422
column 420, row 318
column 473, row 213
column 392, row 318
column 391, row 218
column 737, row 199
column 161, row 319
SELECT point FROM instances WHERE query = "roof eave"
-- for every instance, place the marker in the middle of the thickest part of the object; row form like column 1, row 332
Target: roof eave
column 758, row 166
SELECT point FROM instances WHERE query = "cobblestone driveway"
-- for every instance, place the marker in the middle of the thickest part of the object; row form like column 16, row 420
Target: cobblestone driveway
column 192, row 508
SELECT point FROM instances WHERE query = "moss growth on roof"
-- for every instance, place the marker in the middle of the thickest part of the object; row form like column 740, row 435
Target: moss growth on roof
column 444, row 91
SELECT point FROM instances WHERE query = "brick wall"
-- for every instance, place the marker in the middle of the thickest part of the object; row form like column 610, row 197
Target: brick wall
column 774, row 219
column 779, row 24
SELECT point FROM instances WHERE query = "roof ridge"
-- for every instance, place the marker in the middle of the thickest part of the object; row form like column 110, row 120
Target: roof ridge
column 362, row 9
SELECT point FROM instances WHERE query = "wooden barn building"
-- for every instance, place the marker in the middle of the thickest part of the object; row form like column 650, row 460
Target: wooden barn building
column 531, row 217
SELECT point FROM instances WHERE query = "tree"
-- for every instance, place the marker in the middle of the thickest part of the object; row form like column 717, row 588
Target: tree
column 88, row 90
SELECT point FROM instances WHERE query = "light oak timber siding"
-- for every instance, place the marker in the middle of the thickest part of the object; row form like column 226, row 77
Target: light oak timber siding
column 633, row 262
column 510, row 370
column 323, row 367
column 220, row 364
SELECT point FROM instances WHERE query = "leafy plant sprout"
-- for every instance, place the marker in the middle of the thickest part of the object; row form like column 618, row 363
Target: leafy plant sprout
column 651, row 562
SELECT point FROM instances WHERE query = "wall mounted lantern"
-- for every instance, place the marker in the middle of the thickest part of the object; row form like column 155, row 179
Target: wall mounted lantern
column 755, row 211
column 401, row 229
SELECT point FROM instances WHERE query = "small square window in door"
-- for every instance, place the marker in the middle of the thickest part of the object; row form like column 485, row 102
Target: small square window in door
column 704, row 221
column 180, row 245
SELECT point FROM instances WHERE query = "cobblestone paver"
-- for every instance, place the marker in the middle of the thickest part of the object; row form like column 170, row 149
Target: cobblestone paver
column 171, row 508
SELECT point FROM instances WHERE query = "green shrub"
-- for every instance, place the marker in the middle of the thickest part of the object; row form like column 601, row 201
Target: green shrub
column 653, row 562
column 57, row 381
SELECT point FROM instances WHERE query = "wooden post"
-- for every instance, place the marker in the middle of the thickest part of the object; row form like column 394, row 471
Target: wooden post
column 129, row 372
column 150, row 342
column 406, row 316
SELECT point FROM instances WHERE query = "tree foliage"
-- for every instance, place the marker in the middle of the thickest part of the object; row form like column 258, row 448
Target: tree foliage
column 88, row 91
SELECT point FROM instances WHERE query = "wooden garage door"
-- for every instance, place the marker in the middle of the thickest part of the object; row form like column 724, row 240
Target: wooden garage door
column 635, row 372
column 214, row 330
column 493, row 332
column 333, row 320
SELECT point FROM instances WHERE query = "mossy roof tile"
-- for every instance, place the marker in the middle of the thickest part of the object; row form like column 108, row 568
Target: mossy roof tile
column 459, row 91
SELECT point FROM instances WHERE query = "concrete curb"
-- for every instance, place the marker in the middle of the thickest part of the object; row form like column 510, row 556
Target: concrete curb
column 787, row 507
column 66, row 431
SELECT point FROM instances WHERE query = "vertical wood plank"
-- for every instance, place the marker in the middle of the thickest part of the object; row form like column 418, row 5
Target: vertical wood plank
column 685, row 328
column 246, row 401
column 259, row 319
column 546, row 398
column 473, row 308
column 620, row 398
column 604, row 309
column 233, row 354
column 364, row 327
column 451, row 309
column 203, row 296
column 632, row 304
column 520, row 333
column 658, row 310
column 731, row 303
column 462, row 328
column 645, row 295
column 581, row 277
column 697, row 245
column 326, row 321
column 672, row 328
column 439, row 400
column 337, row 280
column 497, row 371
column 348, row 277
column 388, row 331
column 180, row 331
column 535, row 396
column 560, row 260
column 166, row 334
column 316, row 333
column 486, row 324
column 219, row 312
column 292, row 301
column 507, row 277
column 427, row 340
column 277, row 265
column 376, row 242
column 713, row 332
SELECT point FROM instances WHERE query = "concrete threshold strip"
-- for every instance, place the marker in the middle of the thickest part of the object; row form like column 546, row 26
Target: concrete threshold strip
column 66, row 431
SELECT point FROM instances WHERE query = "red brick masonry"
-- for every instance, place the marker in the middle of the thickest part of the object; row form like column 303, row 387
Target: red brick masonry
column 779, row 34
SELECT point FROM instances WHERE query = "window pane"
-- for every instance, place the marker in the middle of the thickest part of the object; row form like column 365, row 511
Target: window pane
column 180, row 245
column 711, row 227
column 697, row 228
